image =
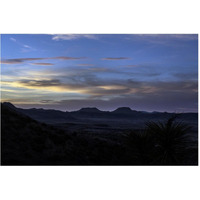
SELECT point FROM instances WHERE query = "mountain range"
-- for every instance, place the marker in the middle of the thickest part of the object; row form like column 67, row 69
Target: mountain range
column 94, row 120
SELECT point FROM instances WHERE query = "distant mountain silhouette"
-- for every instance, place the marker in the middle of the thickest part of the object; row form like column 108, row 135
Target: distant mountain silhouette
column 123, row 110
column 89, row 113
column 90, row 110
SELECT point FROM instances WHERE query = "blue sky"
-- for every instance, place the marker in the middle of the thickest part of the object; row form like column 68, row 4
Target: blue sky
column 152, row 72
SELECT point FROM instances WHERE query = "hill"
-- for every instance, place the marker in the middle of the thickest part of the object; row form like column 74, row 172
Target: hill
column 123, row 110
column 25, row 141
column 90, row 110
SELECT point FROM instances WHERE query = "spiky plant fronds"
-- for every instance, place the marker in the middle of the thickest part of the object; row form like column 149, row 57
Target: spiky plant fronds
column 171, row 140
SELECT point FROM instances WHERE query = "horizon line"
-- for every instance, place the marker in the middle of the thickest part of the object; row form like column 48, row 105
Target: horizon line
column 175, row 112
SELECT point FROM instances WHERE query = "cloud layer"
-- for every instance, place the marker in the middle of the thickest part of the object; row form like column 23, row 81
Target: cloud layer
column 58, row 37
column 21, row 60
column 45, row 64
column 83, row 88
column 163, row 39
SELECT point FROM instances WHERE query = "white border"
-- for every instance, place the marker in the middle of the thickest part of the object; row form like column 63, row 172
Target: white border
column 90, row 16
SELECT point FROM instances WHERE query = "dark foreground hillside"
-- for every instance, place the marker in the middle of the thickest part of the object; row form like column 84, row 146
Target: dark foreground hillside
column 28, row 142
column 25, row 141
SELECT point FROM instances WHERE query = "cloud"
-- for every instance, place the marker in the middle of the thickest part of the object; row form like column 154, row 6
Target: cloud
column 45, row 64
column 47, row 101
column 163, row 39
column 13, row 39
column 67, row 58
column 90, row 84
column 166, row 102
column 115, row 58
column 107, row 94
column 58, row 37
column 132, row 66
column 21, row 60
column 25, row 47
column 41, row 83
column 11, row 61
column 184, row 36
column 51, row 85
column 170, row 102
column 170, row 36
column 18, row 60
column 101, row 69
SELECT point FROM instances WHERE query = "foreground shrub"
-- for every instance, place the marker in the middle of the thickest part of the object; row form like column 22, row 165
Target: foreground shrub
column 161, row 143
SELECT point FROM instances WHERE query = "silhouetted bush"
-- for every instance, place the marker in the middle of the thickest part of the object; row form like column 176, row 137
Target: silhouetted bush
column 161, row 143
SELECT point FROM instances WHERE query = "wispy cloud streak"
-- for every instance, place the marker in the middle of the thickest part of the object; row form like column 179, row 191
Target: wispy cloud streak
column 25, row 47
column 58, row 37
column 162, row 39
column 45, row 64
column 21, row 60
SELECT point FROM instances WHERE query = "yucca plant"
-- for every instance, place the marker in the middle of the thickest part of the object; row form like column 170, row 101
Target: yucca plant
column 161, row 143
column 171, row 141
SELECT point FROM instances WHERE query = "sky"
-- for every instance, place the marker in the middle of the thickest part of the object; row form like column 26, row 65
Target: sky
column 146, row 72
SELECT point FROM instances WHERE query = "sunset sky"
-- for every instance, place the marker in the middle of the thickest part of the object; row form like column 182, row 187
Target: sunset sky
column 148, row 72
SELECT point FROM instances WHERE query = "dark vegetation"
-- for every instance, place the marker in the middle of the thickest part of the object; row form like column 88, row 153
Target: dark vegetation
column 166, row 143
column 25, row 141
